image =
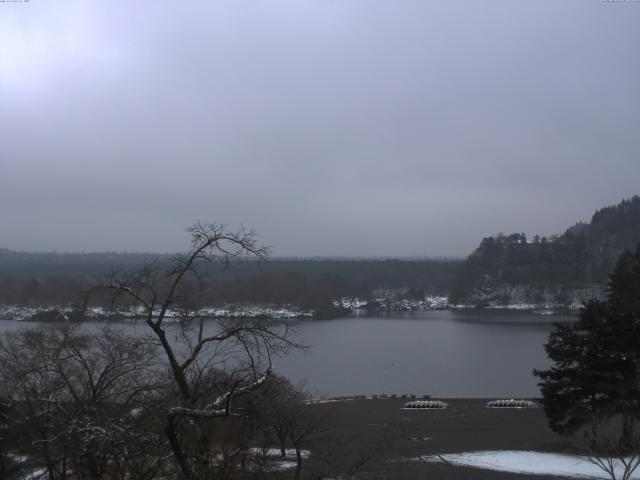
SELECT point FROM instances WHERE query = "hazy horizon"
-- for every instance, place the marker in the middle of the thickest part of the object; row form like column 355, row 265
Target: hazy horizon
column 290, row 257
column 349, row 129
column 269, row 258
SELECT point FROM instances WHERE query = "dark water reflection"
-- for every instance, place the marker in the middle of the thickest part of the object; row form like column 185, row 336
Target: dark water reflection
column 441, row 353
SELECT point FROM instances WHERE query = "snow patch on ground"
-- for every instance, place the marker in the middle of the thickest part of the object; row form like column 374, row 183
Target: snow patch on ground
column 38, row 474
column 524, row 462
column 278, row 466
column 276, row 462
column 275, row 452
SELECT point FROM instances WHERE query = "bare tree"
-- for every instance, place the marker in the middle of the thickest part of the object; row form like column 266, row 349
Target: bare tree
column 617, row 456
column 286, row 416
column 241, row 348
column 5, row 460
column 276, row 405
column 306, row 422
column 70, row 395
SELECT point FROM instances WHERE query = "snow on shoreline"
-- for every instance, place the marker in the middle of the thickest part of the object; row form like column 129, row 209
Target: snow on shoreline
column 344, row 304
column 386, row 303
column 526, row 462
column 23, row 313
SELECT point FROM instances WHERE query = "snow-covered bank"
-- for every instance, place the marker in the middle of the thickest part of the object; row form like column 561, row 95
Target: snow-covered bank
column 524, row 462
column 386, row 304
column 342, row 306
column 48, row 313
column 391, row 305
column 496, row 294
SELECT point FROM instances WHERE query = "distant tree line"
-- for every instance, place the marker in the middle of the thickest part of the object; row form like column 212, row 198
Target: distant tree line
column 56, row 279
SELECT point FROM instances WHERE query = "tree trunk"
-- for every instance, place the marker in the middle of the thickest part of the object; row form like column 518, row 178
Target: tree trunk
column 204, row 450
column 170, row 431
column 47, row 457
column 298, row 463
column 178, row 374
column 594, row 418
column 627, row 429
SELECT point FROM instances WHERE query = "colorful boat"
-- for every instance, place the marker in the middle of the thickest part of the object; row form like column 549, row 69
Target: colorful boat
column 511, row 403
column 427, row 404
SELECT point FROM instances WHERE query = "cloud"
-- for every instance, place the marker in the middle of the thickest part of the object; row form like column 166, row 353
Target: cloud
column 334, row 128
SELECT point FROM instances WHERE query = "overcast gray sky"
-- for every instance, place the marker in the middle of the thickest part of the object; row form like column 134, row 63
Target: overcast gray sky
column 333, row 127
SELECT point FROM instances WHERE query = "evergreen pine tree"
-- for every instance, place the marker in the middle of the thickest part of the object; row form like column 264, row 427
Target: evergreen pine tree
column 596, row 371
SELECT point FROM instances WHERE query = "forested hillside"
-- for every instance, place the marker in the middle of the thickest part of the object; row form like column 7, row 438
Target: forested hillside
column 579, row 259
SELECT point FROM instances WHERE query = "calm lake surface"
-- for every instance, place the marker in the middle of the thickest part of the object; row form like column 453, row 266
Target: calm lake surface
column 446, row 353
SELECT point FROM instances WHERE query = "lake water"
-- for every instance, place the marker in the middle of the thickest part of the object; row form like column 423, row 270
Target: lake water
column 440, row 353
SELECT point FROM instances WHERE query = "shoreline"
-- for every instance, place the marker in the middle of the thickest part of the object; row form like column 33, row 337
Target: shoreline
column 51, row 313
column 410, row 397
